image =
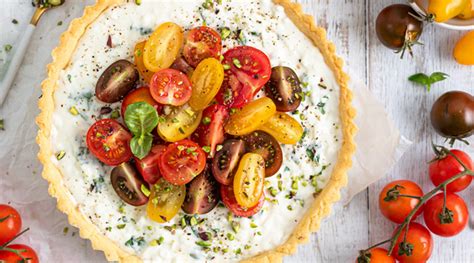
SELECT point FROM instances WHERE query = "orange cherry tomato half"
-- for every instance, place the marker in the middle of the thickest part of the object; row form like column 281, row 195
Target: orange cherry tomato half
column 396, row 208
column 182, row 161
column 201, row 42
column 170, row 87
column 109, row 141
column 247, row 71
column 228, row 198
column 141, row 94
column 375, row 255
column 422, row 242
column 447, row 225
column 26, row 254
column 138, row 60
column 10, row 223
column 148, row 166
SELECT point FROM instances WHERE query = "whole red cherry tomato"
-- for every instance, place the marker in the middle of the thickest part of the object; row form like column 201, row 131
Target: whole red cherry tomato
column 395, row 203
column 446, row 223
column 375, row 255
column 10, row 223
column 447, row 167
column 25, row 254
column 420, row 238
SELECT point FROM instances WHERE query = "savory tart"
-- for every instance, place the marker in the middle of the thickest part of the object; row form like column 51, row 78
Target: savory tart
column 198, row 131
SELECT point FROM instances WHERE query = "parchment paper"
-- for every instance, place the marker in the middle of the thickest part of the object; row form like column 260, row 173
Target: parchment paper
column 379, row 142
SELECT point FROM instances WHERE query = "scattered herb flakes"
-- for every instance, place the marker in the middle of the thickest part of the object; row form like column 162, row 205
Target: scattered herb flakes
column 157, row 242
column 7, row 47
column 236, row 62
column 109, row 41
column 108, row 228
column 145, row 190
column 206, row 149
column 230, row 236
column 73, row 110
column 238, row 251
column 121, row 226
column 14, row 21
column 2, row 124
column 69, row 78
column 60, row 155
column 322, row 104
column 247, row 247
column 139, row 241
column 427, row 81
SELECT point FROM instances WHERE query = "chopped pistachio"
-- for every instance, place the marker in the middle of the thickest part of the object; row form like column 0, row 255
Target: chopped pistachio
column 225, row 32
column 8, row 47
column 289, row 207
column 193, row 221
column 2, row 125
column 294, row 184
column 230, row 236
column 138, row 2
column 149, row 228
column 206, row 120
column 246, row 247
column 206, row 149
column 236, row 62
column 189, row 112
column 65, row 230
column 226, row 66
column 121, row 226
column 253, row 225
column 115, row 114
column 238, row 251
column 235, row 226
column 145, row 190
column 280, row 185
column 181, row 130
column 203, row 243
column 73, row 111
column 219, row 147
column 225, row 250
column 60, row 155
column 273, row 191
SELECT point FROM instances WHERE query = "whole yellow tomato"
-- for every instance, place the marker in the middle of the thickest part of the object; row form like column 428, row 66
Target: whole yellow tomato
column 443, row 10
column 464, row 49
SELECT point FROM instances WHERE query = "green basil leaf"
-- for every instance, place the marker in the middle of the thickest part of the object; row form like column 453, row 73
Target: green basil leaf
column 141, row 145
column 141, row 118
column 438, row 76
column 420, row 78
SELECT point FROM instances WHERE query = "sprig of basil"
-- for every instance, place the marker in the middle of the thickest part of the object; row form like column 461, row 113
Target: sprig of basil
column 425, row 80
column 141, row 118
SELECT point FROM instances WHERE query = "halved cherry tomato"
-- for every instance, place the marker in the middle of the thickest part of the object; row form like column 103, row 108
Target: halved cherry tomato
column 395, row 207
column 228, row 198
column 447, row 167
column 163, row 46
column 141, row 94
column 148, row 166
column 138, row 60
column 179, row 123
column 109, row 141
column 182, row 161
column 283, row 128
column 10, row 223
column 375, row 255
column 420, row 238
column 210, row 132
column 25, row 254
column 128, row 184
column 443, row 10
column 202, row 42
column 165, row 201
column 265, row 145
column 248, row 180
column 170, row 87
column 248, row 71
column 206, row 80
column 463, row 49
column 448, row 223
column 251, row 117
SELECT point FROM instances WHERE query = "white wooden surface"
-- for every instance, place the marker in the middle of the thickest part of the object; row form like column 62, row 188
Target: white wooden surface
column 350, row 25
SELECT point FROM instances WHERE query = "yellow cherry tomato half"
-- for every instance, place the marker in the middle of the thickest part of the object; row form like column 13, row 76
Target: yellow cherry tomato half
column 443, row 10
column 468, row 11
column 250, row 117
column 165, row 200
column 163, row 46
column 248, row 180
column 138, row 59
column 179, row 123
column 463, row 51
column 206, row 81
column 283, row 128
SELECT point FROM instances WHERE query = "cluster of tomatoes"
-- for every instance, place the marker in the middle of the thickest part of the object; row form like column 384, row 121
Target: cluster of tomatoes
column 195, row 132
column 399, row 26
column 10, row 227
column 445, row 213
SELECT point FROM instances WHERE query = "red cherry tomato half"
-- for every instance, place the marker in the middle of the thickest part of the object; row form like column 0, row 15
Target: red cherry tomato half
column 149, row 166
column 442, row 225
column 421, row 240
column 445, row 168
column 109, row 141
column 397, row 209
column 26, row 254
column 228, row 198
column 210, row 132
column 141, row 94
column 202, row 42
column 248, row 71
column 170, row 87
column 10, row 223
column 182, row 161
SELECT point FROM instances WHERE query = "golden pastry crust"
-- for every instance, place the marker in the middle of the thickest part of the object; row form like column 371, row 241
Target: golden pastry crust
column 310, row 222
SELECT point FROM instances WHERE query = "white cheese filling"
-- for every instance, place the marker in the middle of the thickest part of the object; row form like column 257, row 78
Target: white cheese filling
column 306, row 166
